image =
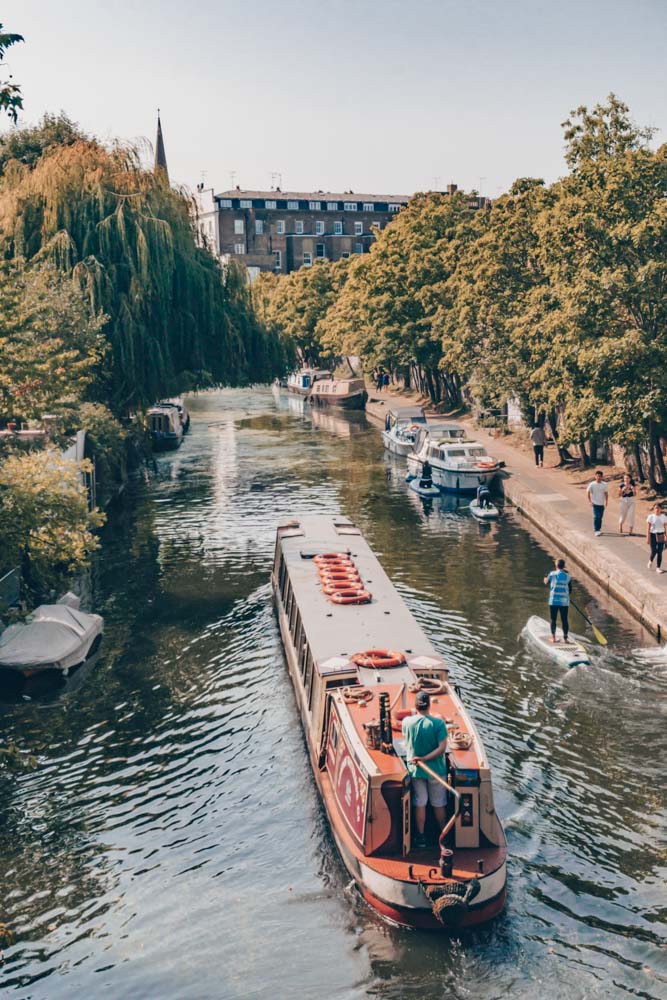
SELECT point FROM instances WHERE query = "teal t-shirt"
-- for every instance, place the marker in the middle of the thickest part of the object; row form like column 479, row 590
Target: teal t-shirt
column 422, row 734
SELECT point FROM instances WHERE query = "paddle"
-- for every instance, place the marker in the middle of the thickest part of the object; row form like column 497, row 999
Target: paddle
column 596, row 631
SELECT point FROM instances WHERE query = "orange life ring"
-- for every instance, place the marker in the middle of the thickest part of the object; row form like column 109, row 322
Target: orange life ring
column 486, row 464
column 340, row 575
column 350, row 596
column 328, row 556
column 342, row 586
column 379, row 658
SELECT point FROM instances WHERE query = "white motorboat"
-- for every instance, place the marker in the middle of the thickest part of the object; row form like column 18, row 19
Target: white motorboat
column 490, row 513
column 459, row 465
column 569, row 654
column 54, row 637
column 402, row 424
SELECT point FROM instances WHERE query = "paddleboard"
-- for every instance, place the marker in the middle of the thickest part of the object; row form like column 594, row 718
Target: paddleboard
column 424, row 491
column 569, row 654
column 484, row 513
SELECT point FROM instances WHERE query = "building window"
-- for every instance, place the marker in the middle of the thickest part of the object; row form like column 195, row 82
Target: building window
column 280, row 227
column 314, row 206
column 393, row 207
column 369, row 206
column 332, row 206
column 307, row 259
column 293, row 206
column 350, row 206
column 225, row 203
column 239, row 248
column 319, row 250
column 239, row 227
column 345, row 254
column 338, row 228
column 358, row 247
column 270, row 204
column 277, row 260
column 259, row 227
column 298, row 228
column 319, row 229
column 358, row 229
column 245, row 203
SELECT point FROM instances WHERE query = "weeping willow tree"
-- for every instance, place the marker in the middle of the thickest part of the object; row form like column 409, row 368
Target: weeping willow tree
column 175, row 323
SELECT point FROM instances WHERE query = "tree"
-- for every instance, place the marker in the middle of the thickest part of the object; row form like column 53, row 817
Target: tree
column 50, row 344
column 10, row 93
column 45, row 525
column 27, row 145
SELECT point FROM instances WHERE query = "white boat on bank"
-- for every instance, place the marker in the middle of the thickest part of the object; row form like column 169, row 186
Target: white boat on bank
column 402, row 424
column 459, row 465
column 569, row 654
column 54, row 637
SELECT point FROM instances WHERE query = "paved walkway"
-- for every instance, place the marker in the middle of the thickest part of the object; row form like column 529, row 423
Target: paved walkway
column 559, row 507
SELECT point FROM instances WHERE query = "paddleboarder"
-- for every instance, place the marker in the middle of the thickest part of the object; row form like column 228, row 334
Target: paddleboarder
column 483, row 495
column 560, row 585
column 426, row 481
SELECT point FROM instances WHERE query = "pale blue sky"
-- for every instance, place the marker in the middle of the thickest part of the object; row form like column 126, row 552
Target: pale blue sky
column 368, row 95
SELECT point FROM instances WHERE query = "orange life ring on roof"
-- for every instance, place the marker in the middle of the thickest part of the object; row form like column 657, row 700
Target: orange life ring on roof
column 328, row 556
column 350, row 596
column 340, row 586
column 379, row 658
column 340, row 575
column 487, row 463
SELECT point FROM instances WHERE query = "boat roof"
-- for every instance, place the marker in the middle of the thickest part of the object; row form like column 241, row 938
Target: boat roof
column 335, row 632
column 408, row 412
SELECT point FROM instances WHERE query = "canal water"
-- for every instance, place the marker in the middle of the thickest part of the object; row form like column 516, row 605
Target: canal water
column 171, row 844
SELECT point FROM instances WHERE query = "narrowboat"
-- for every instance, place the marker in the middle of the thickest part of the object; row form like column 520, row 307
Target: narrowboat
column 302, row 382
column 336, row 607
column 459, row 465
column 165, row 427
column 343, row 393
column 401, row 427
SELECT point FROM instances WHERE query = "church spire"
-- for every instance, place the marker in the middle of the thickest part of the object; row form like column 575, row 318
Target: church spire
column 160, row 155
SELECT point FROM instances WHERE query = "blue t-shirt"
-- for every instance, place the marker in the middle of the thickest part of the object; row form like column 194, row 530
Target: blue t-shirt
column 559, row 588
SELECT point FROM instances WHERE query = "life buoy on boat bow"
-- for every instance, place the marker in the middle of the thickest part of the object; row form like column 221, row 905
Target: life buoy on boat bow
column 379, row 658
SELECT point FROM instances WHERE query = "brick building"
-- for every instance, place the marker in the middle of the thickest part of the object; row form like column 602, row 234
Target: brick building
column 282, row 231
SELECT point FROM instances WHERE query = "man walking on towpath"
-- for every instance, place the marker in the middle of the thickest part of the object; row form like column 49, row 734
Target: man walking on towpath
column 426, row 740
column 598, row 497
column 560, row 585
column 539, row 439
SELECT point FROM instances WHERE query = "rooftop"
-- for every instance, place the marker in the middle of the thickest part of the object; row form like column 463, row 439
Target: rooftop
column 277, row 195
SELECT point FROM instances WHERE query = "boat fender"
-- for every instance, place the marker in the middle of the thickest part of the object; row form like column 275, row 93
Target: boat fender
column 351, row 596
column 379, row 658
column 450, row 901
column 433, row 685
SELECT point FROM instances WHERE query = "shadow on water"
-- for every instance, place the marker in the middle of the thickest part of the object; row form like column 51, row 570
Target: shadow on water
column 171, row 842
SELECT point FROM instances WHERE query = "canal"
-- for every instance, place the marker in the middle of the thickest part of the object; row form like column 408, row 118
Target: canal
column 171, row 843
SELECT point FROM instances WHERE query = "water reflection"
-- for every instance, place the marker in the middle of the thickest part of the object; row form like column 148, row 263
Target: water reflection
column 172, row 844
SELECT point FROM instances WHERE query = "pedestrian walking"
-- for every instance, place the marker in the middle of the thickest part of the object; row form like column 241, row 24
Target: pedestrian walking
column 385, row 380
column 656, row 526
column 379, row 382
column 560, row 585
column 598, row 498
column 539, row 439
column 626, row 492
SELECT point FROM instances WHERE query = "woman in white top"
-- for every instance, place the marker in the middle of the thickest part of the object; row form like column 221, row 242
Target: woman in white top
column 656, row 526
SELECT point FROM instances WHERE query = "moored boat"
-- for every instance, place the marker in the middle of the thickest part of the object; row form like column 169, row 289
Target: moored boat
column 333, row 601
column 569, row 654
column 402, row 425
column 459, row 465
column 302, row 382
column 344, row 393
column 183, row 414
column 165, row 426
column 54, row 637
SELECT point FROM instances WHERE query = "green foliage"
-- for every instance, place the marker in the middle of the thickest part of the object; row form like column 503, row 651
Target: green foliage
column 45, row 525
column 50, row 345
column 127, row 238
column 10, row 93
column 106, row 441
column 27, row 145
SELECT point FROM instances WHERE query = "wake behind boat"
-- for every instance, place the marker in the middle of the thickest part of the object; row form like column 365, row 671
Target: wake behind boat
column 570, row 654
column 331, row 591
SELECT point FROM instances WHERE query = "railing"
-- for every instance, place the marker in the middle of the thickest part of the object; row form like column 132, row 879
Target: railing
column 457, row 800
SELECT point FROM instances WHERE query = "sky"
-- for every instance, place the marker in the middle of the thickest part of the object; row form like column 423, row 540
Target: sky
column 371, row 96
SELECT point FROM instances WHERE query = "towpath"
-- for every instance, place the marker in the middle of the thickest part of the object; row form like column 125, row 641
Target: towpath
column 557, row 504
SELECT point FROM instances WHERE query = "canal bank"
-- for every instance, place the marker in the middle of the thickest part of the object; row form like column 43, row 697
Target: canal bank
column 560, row 509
